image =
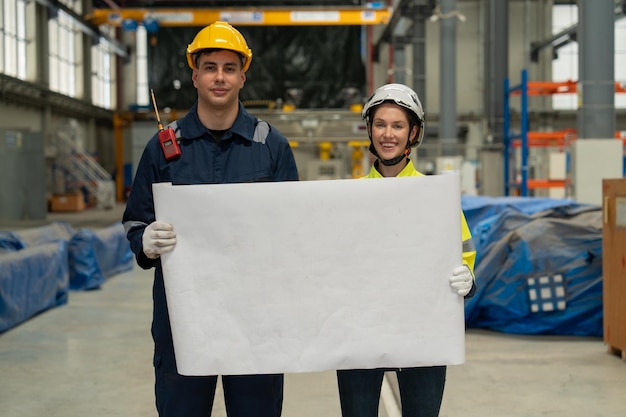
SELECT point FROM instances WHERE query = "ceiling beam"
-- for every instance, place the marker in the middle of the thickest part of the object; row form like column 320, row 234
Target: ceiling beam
column 401, row 9
column 559, row 40
column 193, row 17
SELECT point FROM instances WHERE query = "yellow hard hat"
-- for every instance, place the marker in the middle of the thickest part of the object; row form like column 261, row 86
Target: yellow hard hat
column 220, row 35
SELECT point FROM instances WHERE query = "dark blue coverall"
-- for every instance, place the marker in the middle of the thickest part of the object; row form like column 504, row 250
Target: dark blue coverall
column 236, row 158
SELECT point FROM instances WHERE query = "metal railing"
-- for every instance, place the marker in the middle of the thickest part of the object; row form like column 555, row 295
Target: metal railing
column 83, row 169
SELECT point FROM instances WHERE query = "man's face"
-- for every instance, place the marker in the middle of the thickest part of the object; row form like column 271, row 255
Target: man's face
column 218, row 77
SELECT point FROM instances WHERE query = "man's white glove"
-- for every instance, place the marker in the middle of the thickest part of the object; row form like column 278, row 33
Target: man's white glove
column 158, row 238
column 462, row 280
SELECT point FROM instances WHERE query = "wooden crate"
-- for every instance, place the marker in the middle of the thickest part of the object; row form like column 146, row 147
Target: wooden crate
column 614, row 264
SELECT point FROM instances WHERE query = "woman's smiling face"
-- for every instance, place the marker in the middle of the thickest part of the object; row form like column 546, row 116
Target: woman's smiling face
column 390, row 129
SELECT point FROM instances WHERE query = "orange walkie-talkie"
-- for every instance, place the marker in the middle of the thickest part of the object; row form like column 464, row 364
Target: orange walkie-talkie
column 167, row 137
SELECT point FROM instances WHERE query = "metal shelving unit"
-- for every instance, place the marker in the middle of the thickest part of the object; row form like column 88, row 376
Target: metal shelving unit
column 524, row 139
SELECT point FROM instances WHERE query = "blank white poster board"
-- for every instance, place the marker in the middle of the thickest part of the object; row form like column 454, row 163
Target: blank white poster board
column 313, row 275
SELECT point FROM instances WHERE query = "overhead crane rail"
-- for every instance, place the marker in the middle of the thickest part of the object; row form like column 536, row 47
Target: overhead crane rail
column 298, row 16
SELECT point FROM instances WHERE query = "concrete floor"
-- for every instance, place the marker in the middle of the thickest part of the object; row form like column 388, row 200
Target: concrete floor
column 92, row 357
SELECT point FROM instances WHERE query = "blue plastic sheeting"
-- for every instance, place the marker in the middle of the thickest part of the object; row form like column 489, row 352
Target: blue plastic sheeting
column 53, row 232
column 538, row 266
column 95, row 255
column 477, row 208
column 32, row 280
column 34, row 261
column 10, row 242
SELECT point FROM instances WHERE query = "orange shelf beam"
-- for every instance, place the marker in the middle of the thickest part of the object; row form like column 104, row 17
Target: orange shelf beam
column 544, row 88
column 542, row 139
column 558, row 138
column 544, row 183
column 537, row 88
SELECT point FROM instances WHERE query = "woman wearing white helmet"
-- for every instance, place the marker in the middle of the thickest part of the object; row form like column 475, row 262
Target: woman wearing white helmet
column 395, row 123
column 392, row 146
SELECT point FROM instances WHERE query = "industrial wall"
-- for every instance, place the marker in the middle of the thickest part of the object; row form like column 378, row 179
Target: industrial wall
column 470, row 39
column 528, row 21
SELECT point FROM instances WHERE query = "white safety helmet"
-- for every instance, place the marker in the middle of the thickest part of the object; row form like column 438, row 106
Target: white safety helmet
column 401, row 95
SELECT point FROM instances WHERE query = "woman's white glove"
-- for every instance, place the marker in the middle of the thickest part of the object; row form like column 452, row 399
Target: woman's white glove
column 462, row 280
column 158, row 238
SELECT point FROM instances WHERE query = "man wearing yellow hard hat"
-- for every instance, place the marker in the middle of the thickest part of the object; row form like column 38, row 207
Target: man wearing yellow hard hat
column 219, row 142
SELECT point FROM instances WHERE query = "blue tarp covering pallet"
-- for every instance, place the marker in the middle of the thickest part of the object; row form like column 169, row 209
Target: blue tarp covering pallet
column 45, row 234
column 538, row 266
column 95, row 255
column 32, row 261
column 32, row 280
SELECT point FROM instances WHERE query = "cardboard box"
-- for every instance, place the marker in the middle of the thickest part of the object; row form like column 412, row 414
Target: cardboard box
column 67, row 202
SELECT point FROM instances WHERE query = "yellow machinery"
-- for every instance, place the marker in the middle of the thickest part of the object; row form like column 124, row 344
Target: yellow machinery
column 358, row 153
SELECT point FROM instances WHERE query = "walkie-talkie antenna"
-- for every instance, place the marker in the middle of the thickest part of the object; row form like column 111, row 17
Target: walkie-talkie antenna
column 167, row 137
column 156, row 110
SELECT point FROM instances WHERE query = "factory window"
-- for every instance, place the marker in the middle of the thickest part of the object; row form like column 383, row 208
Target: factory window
column 64, row 41
column 143, row 93
column 103, row 72
column 13, row 38
column 565, row 66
